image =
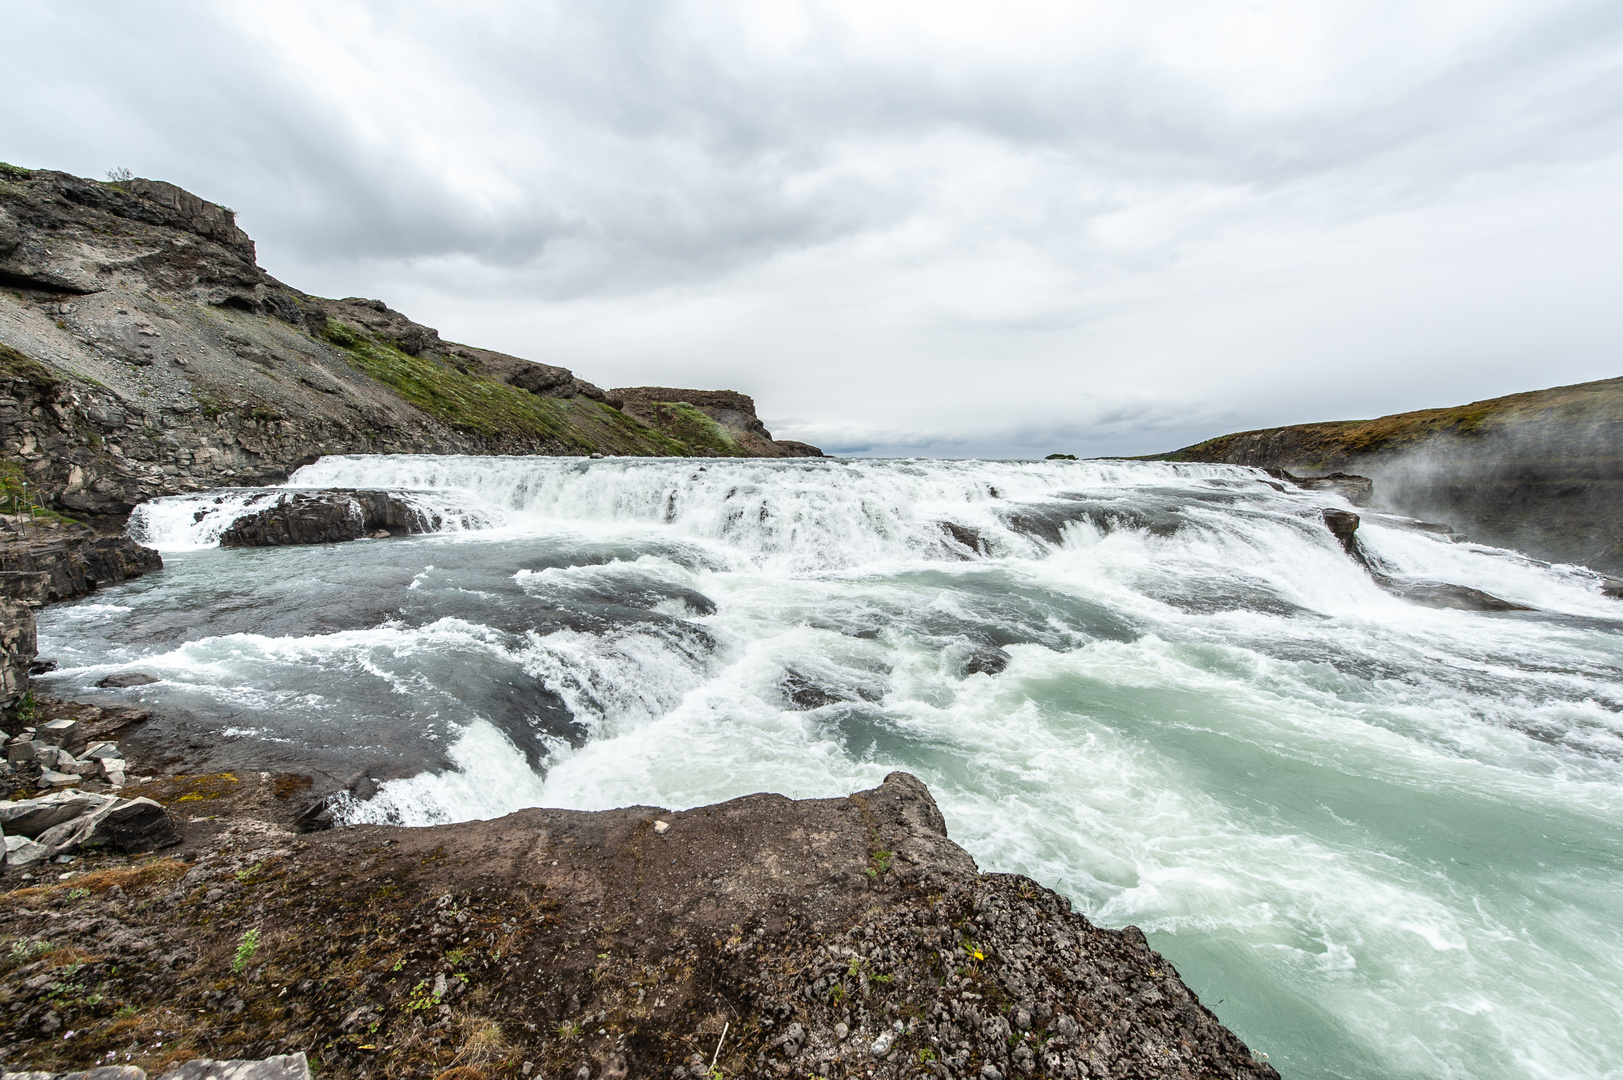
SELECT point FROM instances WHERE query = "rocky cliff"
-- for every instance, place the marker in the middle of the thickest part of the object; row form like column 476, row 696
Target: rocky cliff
column 144, row 352
column 1541, row 472
column 722, row 419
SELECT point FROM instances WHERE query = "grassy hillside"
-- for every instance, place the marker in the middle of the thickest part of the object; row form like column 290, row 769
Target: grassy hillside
column 487, row 407
column 1580, row 409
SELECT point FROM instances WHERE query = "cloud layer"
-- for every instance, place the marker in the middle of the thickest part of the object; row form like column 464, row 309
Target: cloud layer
column 907, row 228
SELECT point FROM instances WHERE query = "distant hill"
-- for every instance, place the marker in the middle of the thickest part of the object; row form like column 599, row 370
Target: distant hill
column 1540, row 471
column 144, row 352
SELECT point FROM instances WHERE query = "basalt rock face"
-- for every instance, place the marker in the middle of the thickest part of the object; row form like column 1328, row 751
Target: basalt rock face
column 1541, row 472
column 733, row 429
column 143, row 353
column 843, row 937
column 47, row 560
column 327, row 517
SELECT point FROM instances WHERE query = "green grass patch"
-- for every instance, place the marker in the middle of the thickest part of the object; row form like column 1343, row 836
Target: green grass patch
column 493, row 409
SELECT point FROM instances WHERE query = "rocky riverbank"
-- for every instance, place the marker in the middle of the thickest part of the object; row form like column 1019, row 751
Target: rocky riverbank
column 758, row 937
column 143, row 352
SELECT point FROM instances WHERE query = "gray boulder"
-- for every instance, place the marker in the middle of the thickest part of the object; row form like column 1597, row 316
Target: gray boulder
column 281, row 1067
column 22, row 852
column 128, row 826
column 30, row 817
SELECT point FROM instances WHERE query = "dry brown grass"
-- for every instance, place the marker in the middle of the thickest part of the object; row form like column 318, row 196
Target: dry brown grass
column 160, row 871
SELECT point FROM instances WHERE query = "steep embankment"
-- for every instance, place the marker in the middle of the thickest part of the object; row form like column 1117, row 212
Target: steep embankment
column 143, row 352
column 1540, row 471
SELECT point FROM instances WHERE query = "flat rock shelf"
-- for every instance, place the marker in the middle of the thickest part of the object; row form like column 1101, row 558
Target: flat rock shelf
column 758, row 937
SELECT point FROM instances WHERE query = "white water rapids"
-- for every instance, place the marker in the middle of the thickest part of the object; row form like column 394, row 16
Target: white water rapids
column 1379, row 839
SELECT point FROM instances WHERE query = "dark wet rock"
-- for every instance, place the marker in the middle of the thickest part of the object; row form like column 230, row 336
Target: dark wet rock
column 970, row 540
column 125, row 679
column 986, row 660
column 41, row 667
column 328, row 517
column 1358, row 490
column 1343, row 525
column 61, row 561
column 1441, row 594
column 804, row 691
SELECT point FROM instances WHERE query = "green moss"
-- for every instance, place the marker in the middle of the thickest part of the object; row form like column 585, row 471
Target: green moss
column 14, row 172
column 696, row 429
column 14, row 364
column 493, row 409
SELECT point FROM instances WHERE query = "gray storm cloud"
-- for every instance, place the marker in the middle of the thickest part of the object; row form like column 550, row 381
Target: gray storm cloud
column 906, row 228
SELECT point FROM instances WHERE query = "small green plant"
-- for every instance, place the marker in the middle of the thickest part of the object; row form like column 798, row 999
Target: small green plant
column 926, row 1055
column 422, row 996
column 78, row 894
column 568, row 1029
column 245, row 950
column 26, row 950
column 246, row 875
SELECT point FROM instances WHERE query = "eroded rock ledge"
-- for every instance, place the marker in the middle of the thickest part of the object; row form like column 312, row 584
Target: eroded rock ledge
column 765, row 936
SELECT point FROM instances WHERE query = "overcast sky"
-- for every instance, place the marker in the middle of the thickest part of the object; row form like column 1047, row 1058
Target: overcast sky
column 939, row 228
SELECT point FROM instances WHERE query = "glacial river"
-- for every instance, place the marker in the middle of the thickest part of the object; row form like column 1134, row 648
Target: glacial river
column 1379, row 839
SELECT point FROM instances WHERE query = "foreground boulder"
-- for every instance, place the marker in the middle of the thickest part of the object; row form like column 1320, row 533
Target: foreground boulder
column 328, row 517
column 760, row 937
column 68, row 822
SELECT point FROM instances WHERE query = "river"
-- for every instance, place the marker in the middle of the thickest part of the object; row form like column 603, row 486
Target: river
column 1379, row 839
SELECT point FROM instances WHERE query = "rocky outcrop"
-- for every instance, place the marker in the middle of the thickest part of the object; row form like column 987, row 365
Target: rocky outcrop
column 843, row 937
column 144, row 353
column 723, row 420
column 18, row 647
column 44, row 560
column 1541, row 472
column 47, row 560
column 328, row 517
